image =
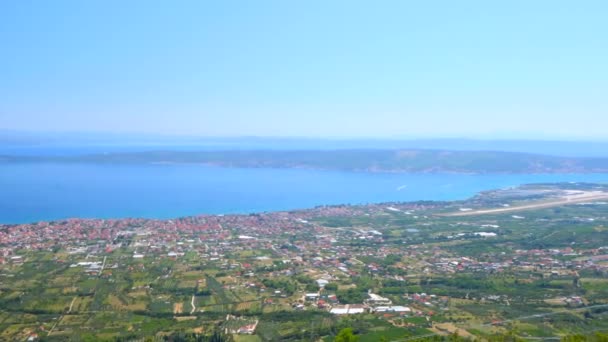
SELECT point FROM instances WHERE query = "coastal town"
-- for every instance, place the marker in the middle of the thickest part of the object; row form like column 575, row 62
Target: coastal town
column 392, row 270
column 304, row 171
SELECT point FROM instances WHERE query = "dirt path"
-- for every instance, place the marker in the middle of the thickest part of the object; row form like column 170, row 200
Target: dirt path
column 72, row 304
column 55, row 325
column 103, row 265
column 193, row 307
column 590, row 196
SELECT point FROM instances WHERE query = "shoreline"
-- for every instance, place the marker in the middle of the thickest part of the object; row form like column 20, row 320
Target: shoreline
column 585, row 196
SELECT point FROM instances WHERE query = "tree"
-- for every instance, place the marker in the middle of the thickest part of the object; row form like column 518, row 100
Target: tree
column 312, row 287
column 331, row 287
column 346, row 335
column 351, row 296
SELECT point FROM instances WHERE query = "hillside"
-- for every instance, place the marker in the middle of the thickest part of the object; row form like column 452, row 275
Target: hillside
column 424, row 161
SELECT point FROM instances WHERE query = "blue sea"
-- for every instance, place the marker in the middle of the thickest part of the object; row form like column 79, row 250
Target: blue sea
column 49, row 191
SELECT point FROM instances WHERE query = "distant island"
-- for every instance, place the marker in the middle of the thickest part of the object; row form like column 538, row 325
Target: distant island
column 367, row 160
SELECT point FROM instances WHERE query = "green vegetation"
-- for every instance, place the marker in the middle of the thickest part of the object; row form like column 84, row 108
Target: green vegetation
column 370, row 160
column 346, row 335
column 317, row 274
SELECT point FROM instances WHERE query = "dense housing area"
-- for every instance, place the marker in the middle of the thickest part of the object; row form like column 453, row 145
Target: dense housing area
column 392, row 271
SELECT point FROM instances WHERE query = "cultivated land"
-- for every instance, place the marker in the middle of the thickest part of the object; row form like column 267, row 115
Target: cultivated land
column 391, row 271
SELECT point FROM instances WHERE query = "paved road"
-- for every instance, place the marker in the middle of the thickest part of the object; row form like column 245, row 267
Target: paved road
column 592, row 196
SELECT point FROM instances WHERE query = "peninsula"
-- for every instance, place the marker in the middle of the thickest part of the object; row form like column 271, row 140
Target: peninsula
column 369, row 160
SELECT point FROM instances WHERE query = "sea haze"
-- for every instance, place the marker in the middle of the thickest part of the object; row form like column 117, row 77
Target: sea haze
column 71, row 144
column 51, row 191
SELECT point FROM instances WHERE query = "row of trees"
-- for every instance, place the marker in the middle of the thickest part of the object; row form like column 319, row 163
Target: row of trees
column 347, row 335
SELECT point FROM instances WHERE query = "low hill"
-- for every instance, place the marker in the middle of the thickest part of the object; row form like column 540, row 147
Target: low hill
column 410, row 160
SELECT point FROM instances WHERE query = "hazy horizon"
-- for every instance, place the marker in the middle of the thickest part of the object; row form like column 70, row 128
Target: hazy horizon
column 517, row 137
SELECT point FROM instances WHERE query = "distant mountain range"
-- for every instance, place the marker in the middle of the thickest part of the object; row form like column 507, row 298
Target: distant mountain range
column 41, row 143
column 370, row 160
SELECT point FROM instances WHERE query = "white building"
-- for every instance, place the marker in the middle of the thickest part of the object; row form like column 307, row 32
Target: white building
column 376, row 300
column 347, row 309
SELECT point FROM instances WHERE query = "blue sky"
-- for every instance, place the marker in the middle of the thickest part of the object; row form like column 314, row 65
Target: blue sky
column 484, row 69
